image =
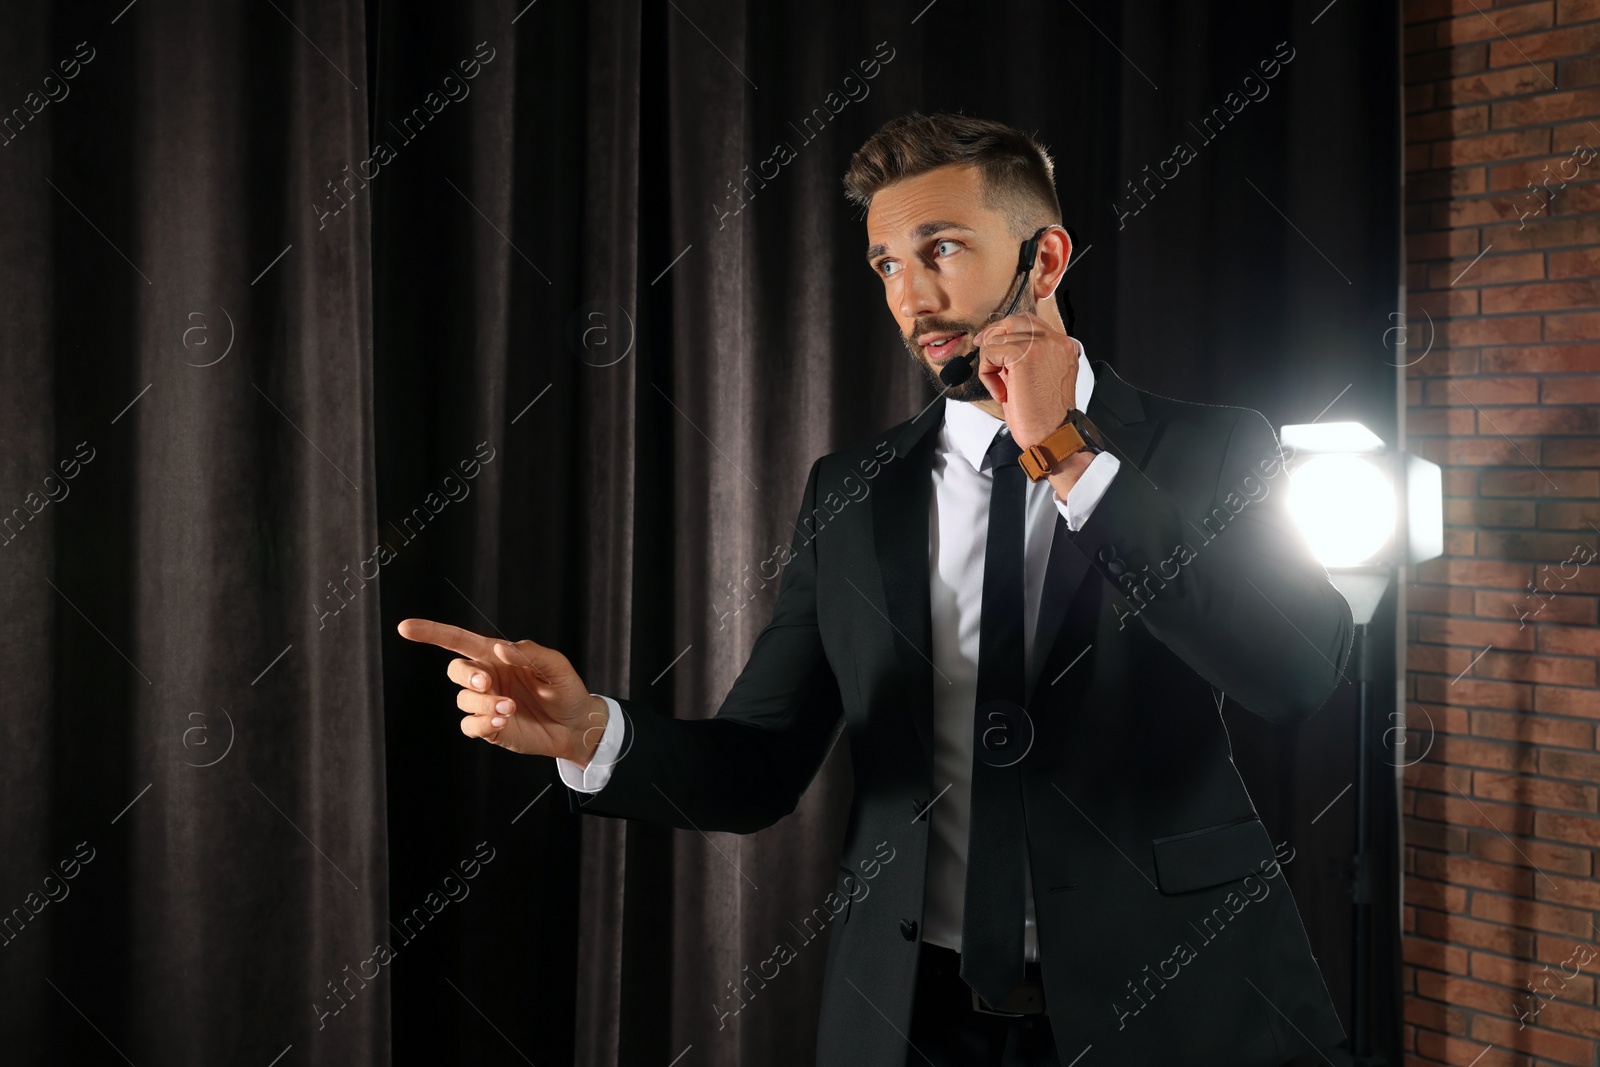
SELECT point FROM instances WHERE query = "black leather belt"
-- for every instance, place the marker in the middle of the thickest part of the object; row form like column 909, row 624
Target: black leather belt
column 1026, row 999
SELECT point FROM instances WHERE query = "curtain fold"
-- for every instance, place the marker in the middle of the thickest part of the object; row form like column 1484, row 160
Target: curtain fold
column 604, row 342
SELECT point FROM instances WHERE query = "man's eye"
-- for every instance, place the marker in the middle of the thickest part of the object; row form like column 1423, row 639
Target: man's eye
column 887, row 267
column 937, row 248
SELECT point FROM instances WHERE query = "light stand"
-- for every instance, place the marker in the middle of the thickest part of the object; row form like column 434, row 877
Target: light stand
column 1350, row 492
column 1363, row 589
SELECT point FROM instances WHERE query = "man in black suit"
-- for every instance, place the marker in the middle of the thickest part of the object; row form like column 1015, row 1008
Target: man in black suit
column 1026, row 605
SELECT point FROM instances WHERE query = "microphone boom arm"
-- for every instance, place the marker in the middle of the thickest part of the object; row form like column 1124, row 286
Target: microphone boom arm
column 961, row 368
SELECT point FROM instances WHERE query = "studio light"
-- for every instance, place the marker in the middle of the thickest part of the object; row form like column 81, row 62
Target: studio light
column 1345, row 507
column 1363, row 508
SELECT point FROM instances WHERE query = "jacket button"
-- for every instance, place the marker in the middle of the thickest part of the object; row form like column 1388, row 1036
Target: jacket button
column 1116, row 568
column 908, row 929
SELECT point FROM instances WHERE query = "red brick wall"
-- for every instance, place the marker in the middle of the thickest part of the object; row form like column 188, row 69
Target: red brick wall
column 1502, row 816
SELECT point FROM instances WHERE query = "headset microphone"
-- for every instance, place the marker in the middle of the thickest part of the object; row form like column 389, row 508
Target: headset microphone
column 960, row 368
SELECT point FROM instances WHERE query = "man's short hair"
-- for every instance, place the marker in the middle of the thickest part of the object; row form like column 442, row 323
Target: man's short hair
column 1017, row 173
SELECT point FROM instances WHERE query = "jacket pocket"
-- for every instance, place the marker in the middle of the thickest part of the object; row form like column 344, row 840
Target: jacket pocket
column 1212, row 855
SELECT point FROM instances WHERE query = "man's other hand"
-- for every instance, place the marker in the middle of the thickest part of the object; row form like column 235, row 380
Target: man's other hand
column 1031, row 370
column 523, row 696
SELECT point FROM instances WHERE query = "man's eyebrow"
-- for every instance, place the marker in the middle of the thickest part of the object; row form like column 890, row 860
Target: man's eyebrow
column 925, row 229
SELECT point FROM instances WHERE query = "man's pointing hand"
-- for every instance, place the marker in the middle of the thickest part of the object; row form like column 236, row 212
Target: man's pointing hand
column 521, row 696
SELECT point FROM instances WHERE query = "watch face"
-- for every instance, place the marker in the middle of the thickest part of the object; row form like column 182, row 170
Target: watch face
column 1086, row 430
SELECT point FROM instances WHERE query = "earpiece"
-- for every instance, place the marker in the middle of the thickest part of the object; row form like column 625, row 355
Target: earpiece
column 1030, row 249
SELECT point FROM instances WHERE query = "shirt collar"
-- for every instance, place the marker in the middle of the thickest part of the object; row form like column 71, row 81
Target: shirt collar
column 970, row 430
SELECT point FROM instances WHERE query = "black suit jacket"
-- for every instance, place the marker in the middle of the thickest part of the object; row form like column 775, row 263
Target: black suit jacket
column 1167, row 933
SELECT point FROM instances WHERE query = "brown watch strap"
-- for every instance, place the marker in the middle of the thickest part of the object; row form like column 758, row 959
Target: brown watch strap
column 1063, row 442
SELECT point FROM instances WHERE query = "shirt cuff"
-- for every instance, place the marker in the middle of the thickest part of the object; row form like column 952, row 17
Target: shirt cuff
column 593, row 778
column 1087, row 490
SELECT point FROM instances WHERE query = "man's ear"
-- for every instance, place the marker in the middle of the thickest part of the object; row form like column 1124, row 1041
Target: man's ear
column 1055, row 252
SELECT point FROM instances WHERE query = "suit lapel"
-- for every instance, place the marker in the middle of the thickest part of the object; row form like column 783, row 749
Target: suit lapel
column 1063, row 575
column 1116, row 409
column 900, row 512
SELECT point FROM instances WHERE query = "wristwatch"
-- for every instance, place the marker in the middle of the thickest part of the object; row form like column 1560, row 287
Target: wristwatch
column 1075, row 434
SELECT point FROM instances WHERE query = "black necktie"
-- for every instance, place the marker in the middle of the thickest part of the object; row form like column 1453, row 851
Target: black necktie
column 992, row 914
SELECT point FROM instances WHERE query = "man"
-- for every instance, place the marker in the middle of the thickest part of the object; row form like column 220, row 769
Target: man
column 1028, row 626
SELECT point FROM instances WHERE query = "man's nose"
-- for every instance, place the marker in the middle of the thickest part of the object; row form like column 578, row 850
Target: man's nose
column 920, row 293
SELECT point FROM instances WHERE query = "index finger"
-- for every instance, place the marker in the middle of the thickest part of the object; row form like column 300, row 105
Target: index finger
column 454, row 638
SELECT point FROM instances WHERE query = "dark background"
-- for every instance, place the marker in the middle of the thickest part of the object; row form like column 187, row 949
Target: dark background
column 594, row 152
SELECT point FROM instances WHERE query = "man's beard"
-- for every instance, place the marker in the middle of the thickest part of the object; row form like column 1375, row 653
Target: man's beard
column 973, row 388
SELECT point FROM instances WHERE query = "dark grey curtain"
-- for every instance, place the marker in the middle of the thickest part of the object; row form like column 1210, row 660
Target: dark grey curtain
column 192, row 765
column 552, row 365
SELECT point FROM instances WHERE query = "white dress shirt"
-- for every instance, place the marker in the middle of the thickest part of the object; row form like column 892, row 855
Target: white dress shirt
column 958, row 530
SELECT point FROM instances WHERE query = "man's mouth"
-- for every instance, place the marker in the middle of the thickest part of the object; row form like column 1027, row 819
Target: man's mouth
column 940, row 345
